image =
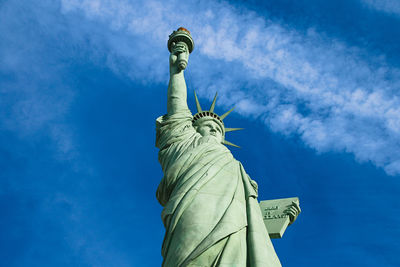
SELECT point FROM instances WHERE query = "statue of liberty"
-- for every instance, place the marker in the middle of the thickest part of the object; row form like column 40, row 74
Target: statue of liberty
column 211, row 213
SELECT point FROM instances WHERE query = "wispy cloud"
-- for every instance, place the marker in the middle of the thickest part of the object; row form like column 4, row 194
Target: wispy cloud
column 333, row 96
column 387, row 6
column 34, row 96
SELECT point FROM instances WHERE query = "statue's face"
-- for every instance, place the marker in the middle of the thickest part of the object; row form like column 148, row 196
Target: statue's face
column 208, row 127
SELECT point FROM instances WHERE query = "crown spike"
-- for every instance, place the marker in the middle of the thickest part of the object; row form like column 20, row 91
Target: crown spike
column 230, row 144
column 213, row 103
column 227, row 113
column 197, row 102
column 232, row 129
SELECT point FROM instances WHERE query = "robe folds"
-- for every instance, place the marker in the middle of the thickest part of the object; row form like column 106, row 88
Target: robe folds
column 211, row 214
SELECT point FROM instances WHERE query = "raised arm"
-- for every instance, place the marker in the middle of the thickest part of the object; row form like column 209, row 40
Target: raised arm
column 177, row 91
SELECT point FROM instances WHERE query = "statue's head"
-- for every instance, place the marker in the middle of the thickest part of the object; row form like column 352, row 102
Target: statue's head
column 208, row 123
column 208, row 126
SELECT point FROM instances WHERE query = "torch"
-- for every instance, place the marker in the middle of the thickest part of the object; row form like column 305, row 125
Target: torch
column 181, row 35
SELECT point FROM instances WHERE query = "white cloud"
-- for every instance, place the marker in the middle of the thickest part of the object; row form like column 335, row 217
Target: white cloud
column 35, row 98
column 330, row 94
column 387, row 6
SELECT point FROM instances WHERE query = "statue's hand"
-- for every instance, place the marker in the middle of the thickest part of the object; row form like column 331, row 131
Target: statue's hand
column 179, row 57
column 293, row 210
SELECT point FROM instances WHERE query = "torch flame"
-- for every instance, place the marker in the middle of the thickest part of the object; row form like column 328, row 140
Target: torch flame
column 183, row 29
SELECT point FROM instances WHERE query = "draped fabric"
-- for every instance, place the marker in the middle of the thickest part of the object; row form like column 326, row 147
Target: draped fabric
column 211, row 214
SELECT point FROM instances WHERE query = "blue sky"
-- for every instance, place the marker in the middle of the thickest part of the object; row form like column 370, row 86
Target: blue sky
column 315, row 85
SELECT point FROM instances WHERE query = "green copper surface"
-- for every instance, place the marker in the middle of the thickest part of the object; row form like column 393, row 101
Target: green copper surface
column 210, row 208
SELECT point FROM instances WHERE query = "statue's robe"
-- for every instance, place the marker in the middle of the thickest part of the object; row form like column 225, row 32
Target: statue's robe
column 211, row 213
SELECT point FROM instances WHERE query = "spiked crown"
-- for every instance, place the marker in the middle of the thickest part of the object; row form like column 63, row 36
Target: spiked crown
column 211, row 115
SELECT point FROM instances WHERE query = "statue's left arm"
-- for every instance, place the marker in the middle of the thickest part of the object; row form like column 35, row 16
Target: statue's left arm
column 293, row 211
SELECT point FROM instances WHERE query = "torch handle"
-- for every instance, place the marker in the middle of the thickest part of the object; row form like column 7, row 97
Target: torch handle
column 182, row 59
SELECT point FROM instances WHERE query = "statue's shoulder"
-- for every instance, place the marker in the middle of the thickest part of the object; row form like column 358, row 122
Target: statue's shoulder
column 183, row 116
column 174, row 128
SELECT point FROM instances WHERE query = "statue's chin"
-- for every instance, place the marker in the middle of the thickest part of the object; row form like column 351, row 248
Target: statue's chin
column 218, row 140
